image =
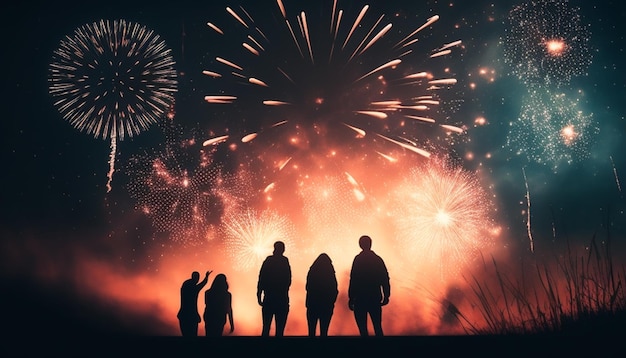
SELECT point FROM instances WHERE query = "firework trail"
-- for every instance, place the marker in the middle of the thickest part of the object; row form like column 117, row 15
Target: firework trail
column 112, row 79
column 443, row 216
column 546, row 42
column 619, row 187
column 358, row 76
column 528, row 225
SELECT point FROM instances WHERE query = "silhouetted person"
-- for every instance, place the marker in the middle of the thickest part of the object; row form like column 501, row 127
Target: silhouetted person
column 218, row 306
column 188, row 316
column 321, row 294
column 273, row 290
column 369, row 288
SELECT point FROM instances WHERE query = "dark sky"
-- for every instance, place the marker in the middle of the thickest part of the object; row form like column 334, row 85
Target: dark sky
column 55, row 208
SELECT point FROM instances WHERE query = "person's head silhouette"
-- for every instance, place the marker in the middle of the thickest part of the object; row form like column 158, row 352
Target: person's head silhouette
column 279, row 248
column 195, row 276
column 365, row 242
column 220, row 283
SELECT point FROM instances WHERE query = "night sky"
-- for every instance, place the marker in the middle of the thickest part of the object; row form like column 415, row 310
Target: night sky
column 542, row 140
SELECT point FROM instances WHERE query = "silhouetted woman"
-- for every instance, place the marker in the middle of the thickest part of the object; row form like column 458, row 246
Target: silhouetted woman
column 321, row 294
column 218, row 306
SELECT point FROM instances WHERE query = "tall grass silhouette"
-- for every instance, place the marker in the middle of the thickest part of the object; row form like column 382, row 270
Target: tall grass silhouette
column 575, row 291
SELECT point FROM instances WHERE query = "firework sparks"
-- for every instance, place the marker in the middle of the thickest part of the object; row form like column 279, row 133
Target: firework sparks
column 374, row 90
column 177, row 188
column 552, row 129
column 546, row 42
column 112, row 79
column 442, row 216
column 250, row 236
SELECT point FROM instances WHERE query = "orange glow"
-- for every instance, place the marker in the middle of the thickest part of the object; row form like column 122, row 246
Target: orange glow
column 569, row 134
column 480, row 121
column 555, row 47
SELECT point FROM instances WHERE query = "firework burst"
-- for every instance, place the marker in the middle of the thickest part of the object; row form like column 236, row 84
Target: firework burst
column 250, row 236
column 552, row 130
column 443, row 217
column 112, row 79
column 546, row 42
column 178, row 188
column 319, row 81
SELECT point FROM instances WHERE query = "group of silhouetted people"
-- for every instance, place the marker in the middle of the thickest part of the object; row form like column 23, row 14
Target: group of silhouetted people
column 218, row 305
column 368, row 291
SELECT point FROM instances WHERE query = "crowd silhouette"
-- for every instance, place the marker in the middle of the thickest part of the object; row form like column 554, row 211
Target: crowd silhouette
column 369, row 290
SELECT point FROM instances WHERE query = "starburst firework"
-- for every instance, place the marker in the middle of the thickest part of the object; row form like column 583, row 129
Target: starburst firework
column 112, row 79
column 317, row 86
column 250, row 236
column 443, row 216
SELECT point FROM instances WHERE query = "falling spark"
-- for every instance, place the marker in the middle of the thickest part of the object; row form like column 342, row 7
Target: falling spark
column 214, row 141
column 283, row 164
column 249, row 137
column 211, row 73
column 351, row 179
column 356, row 24
column 451, row 44
column 406, row 146
column 528, row 227
column 282, row 8
column 429, row 22
column 417, row 75
column 111, row 161
column 380, row 34
column 375, row 114
column 275, row 103
column 257, row 82
column 220, row 99
column 306, row 35
column 229, row 63
column 388, row 157
column 386, row 103
column 217, row 29
column 250, row 48
column 269, row 187
column 428, row 101
column 440, row 53
column 424, row 119
column 452, row 128
column 446, row 81
column 619, row 187
column 359, row 131
column 388, row 64
column 230, row 11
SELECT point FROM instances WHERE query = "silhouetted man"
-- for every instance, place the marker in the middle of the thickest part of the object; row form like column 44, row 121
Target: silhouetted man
column 369, row 288
column 188, row 315
column 273, row 290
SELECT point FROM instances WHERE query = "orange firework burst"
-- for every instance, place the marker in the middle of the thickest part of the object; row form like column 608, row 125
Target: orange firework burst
column 555, row 47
